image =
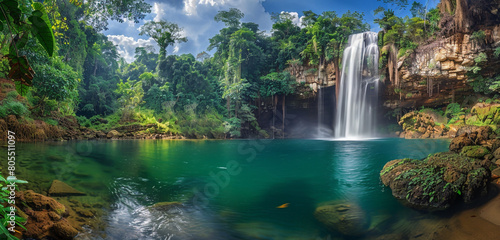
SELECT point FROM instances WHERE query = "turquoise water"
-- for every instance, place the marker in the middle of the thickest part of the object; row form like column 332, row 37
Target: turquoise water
column 252, row 178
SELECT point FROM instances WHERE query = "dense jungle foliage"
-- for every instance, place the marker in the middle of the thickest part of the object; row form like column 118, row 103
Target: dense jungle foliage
column 63, row 65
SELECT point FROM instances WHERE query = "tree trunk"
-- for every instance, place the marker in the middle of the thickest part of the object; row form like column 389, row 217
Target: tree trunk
column 320, row 70
column 236, row 109
column 392, row 65
column 228, row 106
column 95, row 66
column 445, row 6
column 259, row 107
column 283, row 109
column 274, row 112
column 462, row 16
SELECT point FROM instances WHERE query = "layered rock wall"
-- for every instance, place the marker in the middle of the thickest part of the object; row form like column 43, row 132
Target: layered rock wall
column 435, row 74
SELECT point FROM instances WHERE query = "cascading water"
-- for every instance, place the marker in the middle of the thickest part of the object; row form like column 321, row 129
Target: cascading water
column 359, row 86
column 321, row 110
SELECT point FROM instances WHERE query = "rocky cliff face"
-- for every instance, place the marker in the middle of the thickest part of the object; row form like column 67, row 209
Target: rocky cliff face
column 314, row 77
column 435, row 74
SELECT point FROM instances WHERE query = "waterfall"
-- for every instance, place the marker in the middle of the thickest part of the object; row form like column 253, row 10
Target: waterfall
column 358, row 91
column 320, row 111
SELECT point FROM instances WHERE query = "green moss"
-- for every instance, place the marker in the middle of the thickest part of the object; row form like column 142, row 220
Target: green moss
column 475, row 151
column 401, row 162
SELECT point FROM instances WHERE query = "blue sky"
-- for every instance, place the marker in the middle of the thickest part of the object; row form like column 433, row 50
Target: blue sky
column 196, row 18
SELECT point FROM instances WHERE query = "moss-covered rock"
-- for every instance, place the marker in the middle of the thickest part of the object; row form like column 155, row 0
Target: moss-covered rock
column 423, row 125
column 45, row 217
column 113, row 134
column 437, row 181
column 487, row 112
column 63, row 230
column 40, row 202
column 344, row 217
column 460, row 142
column 475, row 151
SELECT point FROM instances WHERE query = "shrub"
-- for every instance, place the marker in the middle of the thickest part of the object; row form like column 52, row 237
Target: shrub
column 452, row 110
column 482, row 57
column 11, row 107
column 3, row 112
column 4, row 211
column 478, row 36
column 12, row 95
column 52, row 122
column 497, row 52
column 82, row 120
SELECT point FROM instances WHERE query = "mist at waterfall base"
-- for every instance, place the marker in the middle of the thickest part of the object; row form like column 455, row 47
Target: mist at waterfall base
column 355, row 114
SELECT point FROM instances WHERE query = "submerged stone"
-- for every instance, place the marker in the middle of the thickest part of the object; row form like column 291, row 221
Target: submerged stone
column 64, row 230
column 165, row 206
column 38, row 201
column 346, row 218
column 45, row 217
column 59, row 188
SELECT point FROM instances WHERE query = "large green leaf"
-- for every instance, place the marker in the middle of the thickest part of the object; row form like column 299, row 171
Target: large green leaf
column 11, row 6
column 20, row 69
column 41, row 28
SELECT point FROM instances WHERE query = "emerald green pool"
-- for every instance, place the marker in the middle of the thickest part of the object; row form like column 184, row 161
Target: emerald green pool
column 252, row 178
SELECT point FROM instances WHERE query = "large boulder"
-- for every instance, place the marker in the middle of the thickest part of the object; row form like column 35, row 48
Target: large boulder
column 113, row 134
column 344, row 217
column 45, row 217
column 437, row 181
column 59, row 188
column 460, row 142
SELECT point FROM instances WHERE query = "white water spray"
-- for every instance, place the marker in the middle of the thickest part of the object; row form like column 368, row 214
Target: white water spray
column 359, row 87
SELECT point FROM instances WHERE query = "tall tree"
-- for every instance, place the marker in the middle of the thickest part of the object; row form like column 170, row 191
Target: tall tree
column 417, row 10
column 98, row 12
column 165, row 34
column 231, row 18
column 274, row 84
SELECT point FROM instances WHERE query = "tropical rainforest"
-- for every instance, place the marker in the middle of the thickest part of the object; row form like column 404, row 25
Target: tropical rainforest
column 67, row 67
column 62, row 78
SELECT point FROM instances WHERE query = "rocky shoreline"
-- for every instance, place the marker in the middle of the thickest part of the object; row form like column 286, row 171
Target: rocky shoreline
column 68, row 128
column 429, row 123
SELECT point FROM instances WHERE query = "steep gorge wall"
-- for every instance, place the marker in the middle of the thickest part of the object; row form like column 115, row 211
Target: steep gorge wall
column 435, row 74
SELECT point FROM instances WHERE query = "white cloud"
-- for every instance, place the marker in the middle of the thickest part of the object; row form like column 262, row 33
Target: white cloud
column 127, row 45
column 196, row 19
column 190, row 7
column 296, row 20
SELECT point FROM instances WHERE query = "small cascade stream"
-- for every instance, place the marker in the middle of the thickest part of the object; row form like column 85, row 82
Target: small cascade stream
column 355, row 116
